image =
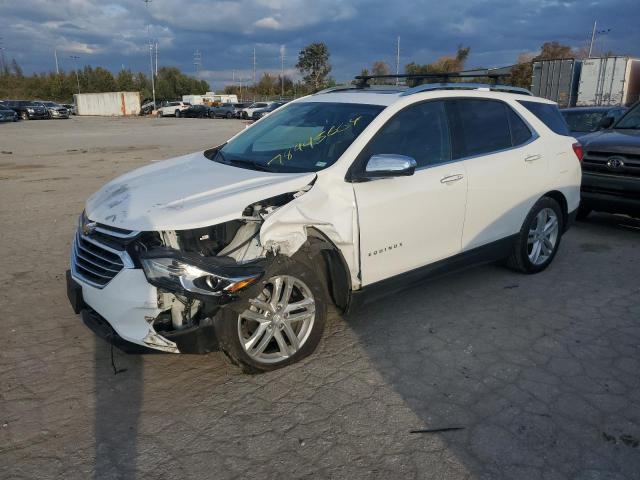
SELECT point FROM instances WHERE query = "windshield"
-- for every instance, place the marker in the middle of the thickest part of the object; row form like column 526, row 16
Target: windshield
column 631, row 120
column 302, row 137
column 586, row 121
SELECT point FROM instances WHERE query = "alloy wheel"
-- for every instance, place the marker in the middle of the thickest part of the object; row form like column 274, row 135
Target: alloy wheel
column 543, row 236
column 278, row 321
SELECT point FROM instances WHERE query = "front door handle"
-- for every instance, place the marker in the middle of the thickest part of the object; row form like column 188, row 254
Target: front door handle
column 451, row 178
column 532, row 158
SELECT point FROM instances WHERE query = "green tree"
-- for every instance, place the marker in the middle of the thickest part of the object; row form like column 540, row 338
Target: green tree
column 313, row 64
column 445, row 64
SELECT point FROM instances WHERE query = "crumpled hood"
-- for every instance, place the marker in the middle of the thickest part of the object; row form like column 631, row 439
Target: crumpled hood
column 186, row 192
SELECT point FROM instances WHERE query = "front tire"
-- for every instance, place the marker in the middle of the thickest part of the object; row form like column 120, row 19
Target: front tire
column 279, row 323
column 177, row 113
column 539, row 237
column 583, row 213
column 24, row 116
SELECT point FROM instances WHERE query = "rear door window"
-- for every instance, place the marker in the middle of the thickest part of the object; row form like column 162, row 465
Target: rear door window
column 520, row 132
column 549, row 114
column 478, row 126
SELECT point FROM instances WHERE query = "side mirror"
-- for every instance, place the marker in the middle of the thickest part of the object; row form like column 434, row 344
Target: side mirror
column 605, row 122
column 389, row 165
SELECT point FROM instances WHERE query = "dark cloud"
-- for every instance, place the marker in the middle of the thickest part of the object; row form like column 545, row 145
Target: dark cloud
column 358, row 32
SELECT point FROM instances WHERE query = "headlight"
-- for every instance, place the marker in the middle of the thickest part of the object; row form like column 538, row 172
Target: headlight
column 30, row 110
column 174, row 274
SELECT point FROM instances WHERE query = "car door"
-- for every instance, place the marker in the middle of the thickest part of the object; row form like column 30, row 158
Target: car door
column 411, row 221
column 505, row 163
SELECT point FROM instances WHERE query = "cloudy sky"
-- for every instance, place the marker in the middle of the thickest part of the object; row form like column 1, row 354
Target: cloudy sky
column 113, row 33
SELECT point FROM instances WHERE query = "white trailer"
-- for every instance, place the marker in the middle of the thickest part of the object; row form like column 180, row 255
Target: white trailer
column 609, row 81
column 108, row 104
column 193, row 99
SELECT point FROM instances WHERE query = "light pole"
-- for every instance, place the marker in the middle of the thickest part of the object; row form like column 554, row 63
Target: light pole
column 594, row 34
column 75, row 58
column 153, row 81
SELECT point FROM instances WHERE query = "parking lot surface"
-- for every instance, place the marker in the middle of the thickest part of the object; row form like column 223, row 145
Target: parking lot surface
column 541, row 372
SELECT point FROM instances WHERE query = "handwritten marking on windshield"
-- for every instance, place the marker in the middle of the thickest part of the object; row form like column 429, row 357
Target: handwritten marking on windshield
column 314, row 140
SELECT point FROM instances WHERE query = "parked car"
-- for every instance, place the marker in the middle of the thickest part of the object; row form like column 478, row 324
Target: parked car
column 240, row 107
column 225, row 110
column 172, row 109
column 248, row 111
column 55, row 109
column 71, row 107
column 611, row 167
column 27, row 110
column 196, row 111
column 244, row 245
column 7, row 114
column 261, row 112
column 583, row 120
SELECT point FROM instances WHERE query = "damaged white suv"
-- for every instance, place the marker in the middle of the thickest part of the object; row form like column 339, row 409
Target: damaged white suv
column 347, row 192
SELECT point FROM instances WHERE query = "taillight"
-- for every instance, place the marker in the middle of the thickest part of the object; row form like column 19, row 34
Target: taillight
column 577, row 149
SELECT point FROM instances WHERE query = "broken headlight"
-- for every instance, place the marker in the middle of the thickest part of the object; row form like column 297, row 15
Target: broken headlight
column 176, row 274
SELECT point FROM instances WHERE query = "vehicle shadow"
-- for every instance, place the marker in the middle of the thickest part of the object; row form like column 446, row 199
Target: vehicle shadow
column 118, row 403
column 530, row 366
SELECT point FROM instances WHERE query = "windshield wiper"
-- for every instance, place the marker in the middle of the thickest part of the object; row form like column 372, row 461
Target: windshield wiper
column 249, row 163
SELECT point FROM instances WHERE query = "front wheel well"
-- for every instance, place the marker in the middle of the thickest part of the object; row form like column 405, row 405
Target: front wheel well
column 562, row 201
column 331, row 263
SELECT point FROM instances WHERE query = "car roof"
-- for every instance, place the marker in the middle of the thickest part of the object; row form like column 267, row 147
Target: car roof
column 592, row 109
column 379, row 95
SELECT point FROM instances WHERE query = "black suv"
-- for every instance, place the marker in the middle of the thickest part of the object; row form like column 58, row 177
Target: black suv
column 27, row 110
column 611, row 167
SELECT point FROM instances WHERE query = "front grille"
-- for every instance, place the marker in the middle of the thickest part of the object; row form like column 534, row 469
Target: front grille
column 100, row 256
column 597, row 162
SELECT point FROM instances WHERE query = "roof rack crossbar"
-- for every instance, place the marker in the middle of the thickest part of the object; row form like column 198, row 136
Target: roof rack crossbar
column 364, row 79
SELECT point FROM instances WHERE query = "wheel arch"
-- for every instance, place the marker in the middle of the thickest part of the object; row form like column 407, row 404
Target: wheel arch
column 562, row 201
column 320, row 249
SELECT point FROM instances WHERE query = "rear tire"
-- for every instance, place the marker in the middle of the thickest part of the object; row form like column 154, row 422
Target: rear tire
column 258, row 333
column 539, row 238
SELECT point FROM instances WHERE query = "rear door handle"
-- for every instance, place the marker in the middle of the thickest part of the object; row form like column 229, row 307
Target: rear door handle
column 532, row 158
column 451, row 178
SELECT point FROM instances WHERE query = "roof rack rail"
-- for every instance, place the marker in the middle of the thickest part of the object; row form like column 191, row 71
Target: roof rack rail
column 425, row 87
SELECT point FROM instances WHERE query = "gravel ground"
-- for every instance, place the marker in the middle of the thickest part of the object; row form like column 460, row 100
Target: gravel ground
column 542, row 372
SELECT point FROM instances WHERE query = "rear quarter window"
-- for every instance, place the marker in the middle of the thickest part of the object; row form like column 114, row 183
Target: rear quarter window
column 549, row 114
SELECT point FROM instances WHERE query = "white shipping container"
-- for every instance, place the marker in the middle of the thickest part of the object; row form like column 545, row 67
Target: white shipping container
column 609, row 81
column 108, row 104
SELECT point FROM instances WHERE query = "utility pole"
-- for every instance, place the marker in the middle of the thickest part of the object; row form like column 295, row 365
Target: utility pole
column 3, row 64
column 55, row 55
column 197, row 61
column 398, row 60
column 153, row 80
column 75, row 58
column 593, row 37
column 156, row 58
column 254, row 74
column 281, row 71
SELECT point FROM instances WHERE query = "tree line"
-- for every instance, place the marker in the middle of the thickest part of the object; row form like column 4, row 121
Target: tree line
column 170, row 83
column 313, row 65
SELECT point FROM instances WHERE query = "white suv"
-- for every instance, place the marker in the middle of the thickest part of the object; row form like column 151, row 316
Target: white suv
column 329, row 199
column 175, row 109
